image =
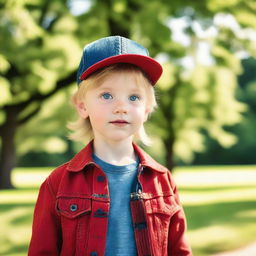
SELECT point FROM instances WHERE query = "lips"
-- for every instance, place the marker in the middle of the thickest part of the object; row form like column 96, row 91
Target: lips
column 119, row 122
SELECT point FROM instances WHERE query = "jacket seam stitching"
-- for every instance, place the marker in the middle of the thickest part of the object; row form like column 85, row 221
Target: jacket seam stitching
column 50, row 188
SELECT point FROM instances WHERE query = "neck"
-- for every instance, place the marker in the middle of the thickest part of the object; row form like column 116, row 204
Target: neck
column 116, row 153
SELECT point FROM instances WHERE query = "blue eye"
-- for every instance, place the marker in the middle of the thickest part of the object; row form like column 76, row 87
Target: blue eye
column 134, row 97
column 106, row 96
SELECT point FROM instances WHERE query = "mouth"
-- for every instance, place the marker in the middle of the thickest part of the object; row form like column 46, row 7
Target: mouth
column 119, row 122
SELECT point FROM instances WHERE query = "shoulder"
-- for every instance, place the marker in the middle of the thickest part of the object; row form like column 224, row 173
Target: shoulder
column 62, row 173
column 55, row 177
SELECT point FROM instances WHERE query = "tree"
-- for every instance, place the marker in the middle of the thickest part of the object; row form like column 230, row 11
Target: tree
column 201, row 98
column 36, row 64
column 36, row 42
column 37, row 61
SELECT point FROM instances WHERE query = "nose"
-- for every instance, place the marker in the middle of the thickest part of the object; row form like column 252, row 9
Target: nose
column 120, row 107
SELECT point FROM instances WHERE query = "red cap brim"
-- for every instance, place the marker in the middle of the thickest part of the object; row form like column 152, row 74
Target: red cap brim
column 151, row 67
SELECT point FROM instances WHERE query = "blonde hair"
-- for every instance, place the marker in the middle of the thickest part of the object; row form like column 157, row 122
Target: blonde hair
column 81, row 128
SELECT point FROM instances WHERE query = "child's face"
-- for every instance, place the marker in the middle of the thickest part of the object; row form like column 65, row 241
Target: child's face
column 118, row 98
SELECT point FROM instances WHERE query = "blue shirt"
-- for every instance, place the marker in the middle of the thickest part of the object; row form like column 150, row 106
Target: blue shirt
column 120, row 234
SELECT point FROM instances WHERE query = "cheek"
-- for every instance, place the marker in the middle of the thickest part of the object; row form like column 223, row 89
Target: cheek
column 139, row 114
column 98, row 115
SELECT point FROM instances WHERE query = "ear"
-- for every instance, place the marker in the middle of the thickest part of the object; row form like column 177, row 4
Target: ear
column 81, row 109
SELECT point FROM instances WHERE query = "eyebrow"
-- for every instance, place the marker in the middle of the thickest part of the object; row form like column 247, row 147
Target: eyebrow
column 105, row 88
column 137, row 90
column 134, row 90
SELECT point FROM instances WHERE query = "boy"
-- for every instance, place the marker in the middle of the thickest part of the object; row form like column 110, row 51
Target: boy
column 111, row 198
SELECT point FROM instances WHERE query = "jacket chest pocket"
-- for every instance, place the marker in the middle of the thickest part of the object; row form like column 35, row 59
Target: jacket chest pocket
column 72, row 208
column 165, row 205
column 159, row 212
column 75, row 214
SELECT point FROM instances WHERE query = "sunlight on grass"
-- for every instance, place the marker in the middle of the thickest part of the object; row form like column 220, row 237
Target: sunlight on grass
column 216, row 238
column 15, row 228
column 212, row 235
column 16, row 210
column 29, row 177
column 12, row 197
column 219, row 203
column 220, row 206
column 209, row 197
column 246, row 214
column 216, row 178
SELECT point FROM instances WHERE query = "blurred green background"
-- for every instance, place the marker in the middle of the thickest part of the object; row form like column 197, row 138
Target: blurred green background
column 203, row 129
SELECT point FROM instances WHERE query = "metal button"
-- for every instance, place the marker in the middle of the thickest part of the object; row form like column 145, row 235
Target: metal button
column 73, row 207
column 100, row 178
column 100, row 214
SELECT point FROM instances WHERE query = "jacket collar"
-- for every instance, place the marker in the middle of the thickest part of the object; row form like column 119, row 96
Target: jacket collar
column 84, row 158
column 147, row 161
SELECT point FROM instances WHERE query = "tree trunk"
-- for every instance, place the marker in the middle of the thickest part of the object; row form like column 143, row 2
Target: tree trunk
column 169, row 114
column 168, row 143
column 8, row 152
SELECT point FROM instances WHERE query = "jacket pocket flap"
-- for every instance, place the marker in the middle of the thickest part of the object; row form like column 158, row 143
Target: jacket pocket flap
column 163, row 205
column 73, row 207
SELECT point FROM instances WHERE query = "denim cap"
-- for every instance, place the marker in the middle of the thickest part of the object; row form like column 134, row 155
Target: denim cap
column 117, row 49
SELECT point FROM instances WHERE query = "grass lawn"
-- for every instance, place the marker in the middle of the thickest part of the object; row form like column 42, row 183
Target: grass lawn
column 220, row 204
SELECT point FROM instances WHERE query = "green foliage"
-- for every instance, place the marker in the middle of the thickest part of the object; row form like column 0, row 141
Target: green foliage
column 201, row 98
column 204, row 100
column 41, row 43
column 243, row 150
column 36, row 55
column 48, row 127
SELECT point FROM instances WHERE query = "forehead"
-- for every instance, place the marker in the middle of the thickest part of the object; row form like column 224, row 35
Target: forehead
column 123, row 81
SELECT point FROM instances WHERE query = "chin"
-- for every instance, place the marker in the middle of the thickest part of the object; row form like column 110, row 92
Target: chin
column 120, row 138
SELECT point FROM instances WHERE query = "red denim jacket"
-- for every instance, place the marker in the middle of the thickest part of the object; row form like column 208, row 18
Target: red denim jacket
column 71, row 213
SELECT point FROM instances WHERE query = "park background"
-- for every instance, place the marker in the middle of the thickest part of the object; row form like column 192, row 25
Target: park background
column 203, row 129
